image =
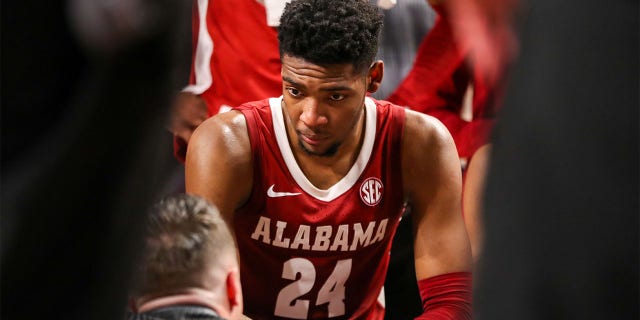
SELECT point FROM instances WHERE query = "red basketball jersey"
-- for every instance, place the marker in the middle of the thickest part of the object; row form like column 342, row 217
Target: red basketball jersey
column 235, row 57
column 308, row 253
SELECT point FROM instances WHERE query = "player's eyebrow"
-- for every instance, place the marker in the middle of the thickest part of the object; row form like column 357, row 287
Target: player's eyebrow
column 293, row 82
column 302, row 86
column 336, row 88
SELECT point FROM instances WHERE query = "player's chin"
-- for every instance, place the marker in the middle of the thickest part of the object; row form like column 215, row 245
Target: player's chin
column 312, row 150
column 321, row 150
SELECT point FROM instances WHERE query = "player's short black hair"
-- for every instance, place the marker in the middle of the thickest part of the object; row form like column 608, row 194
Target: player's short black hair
column 331, row 31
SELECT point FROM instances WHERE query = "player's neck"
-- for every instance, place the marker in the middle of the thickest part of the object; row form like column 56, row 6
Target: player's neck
column 186, row 296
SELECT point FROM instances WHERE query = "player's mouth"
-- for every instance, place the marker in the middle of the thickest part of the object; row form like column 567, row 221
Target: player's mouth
column 313, row 140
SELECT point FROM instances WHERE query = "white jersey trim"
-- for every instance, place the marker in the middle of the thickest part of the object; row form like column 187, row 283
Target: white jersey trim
column 381, row 300
column 349, row 180
column 204, row 51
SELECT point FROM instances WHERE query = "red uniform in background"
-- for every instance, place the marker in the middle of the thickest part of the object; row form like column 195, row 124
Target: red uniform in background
column 235, row 56
column 311, row 253
column 438, row 81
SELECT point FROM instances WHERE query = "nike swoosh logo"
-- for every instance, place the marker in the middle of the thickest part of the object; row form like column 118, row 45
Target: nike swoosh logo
column 274, row 194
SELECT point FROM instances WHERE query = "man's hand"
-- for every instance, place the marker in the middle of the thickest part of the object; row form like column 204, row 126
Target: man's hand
column 188, row 112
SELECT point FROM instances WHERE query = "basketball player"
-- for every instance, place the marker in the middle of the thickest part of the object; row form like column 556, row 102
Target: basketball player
column 314, row 182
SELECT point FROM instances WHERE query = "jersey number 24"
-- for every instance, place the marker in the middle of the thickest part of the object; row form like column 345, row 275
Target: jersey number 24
column 289, row 305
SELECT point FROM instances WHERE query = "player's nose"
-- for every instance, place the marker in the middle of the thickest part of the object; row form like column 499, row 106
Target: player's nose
column 312, row 113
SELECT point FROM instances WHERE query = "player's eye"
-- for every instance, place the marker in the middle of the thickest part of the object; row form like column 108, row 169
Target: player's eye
column 337, row 97
column 293, row 91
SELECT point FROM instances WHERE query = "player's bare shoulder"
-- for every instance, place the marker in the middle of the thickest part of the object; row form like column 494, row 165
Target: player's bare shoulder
column 225, row 124
column 218, row 165
column 220, row 144
column 424, row 131
column 223, row 132
column 428, row 155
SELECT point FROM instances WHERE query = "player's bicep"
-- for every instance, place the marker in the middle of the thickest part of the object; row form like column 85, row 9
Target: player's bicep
column 218, row 164
column 431, row 171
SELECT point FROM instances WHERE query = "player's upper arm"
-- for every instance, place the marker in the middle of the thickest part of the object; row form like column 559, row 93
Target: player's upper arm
column 219, row 162
column 433, row 186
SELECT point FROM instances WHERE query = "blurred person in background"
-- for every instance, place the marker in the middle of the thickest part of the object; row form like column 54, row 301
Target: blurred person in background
column 561, row 201
column 448, row 82
column 189, row 267
column 85, row 92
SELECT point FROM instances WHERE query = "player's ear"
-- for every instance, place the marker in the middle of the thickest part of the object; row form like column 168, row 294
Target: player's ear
column 375, row 76
column 234, row 291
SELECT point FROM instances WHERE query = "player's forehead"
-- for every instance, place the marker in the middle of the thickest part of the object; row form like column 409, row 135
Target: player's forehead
column 298, row 70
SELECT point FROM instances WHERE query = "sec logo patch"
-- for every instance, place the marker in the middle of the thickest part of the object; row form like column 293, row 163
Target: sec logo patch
column 371, row 191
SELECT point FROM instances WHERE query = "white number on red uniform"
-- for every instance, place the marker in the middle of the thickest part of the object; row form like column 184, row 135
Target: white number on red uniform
column 332, row 291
